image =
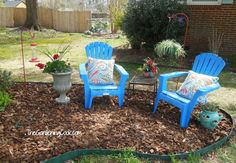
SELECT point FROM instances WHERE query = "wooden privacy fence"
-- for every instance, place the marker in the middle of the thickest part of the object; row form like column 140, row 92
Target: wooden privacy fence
column 71, row 21
column 65, row 21
column 6, row 17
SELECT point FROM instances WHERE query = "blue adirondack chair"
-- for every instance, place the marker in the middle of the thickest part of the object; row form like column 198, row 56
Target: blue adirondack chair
column 206, row 63
column 100, row 50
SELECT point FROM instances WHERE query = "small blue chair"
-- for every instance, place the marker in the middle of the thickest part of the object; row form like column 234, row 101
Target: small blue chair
column 100, row 50
column 205, row 63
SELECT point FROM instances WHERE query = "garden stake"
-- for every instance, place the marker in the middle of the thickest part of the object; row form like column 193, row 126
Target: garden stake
column 23, row 57
column 22, row 51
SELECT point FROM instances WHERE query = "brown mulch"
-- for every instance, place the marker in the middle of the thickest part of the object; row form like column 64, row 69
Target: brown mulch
column 105, row 126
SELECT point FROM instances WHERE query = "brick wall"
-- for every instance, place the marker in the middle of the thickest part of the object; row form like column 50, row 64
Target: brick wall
column 203, row 18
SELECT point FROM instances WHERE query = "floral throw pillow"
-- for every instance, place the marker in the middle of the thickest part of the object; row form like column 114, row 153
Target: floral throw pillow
column 100, row 71
column 193, row 82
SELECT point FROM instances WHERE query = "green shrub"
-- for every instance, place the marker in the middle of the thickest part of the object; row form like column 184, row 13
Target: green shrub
column 5, row 100
column 230, row 60
column 135, row 42
column 5, row 80
column 169, row 49
column 99, row 27
column 147, row 21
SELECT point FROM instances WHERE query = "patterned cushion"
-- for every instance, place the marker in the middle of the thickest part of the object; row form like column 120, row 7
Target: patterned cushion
column 100, row 71
column 193, row 82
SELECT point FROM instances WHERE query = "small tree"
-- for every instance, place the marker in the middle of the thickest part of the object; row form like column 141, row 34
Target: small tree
column 116, row 10
column 147, row 20
column 32, row 15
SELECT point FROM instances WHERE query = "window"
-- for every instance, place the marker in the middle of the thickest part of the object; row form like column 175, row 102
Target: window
column 204, row 2
column 207, row 2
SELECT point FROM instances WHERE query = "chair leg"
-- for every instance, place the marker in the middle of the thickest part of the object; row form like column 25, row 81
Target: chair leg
column 121, row 99
column 156, row 104
column 86, row 99
column 185, row 117
column 86, row 102
column 86, row 106
column 90, row 102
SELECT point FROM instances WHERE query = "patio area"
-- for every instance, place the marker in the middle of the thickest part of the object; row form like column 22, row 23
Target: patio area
column 106, row 126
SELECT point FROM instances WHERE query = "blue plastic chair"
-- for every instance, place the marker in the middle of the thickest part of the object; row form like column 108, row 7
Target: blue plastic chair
column 206, row 63
column 100, row 50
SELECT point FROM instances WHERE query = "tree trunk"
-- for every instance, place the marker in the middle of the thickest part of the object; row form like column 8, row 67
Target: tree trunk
column 32, row 15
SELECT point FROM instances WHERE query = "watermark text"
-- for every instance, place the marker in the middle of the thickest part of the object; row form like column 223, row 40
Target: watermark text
column 52, row 133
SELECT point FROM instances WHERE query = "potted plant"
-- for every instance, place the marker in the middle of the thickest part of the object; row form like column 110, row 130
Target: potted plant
column 149, row 68
column 60, row 70
column 209, row 116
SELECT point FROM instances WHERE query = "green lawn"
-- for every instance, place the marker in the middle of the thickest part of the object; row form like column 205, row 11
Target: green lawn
column 10, row 51
column 10, row 59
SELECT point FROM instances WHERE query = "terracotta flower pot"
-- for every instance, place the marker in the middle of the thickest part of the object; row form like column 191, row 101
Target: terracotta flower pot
column 62, row 84
column 149, row 74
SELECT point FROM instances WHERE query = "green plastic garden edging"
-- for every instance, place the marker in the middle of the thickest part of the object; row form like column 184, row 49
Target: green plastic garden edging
column 104, row 152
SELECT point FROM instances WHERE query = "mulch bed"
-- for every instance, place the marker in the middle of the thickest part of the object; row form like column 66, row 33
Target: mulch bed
column 105, row 126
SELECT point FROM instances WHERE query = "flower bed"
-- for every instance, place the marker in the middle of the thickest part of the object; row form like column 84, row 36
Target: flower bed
column 105, row 126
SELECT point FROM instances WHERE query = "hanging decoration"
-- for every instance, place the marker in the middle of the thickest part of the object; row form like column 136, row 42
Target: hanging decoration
column 33, row 47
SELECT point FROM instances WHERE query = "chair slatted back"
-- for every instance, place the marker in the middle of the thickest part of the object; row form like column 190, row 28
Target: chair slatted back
column 99, row 50
column 208, row 64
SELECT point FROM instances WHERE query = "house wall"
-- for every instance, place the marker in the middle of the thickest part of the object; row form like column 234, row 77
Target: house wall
column 206, row 17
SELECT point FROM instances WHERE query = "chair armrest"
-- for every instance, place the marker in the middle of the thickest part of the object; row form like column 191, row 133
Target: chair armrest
column 121, row 70
column 173, row 75
column 207, row 89
column 202, row 92
column 165, row 77
column 83, row 73
column 124, row 75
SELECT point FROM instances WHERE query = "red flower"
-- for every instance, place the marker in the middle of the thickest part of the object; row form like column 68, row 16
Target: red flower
column 56, row 56
column 150, row 62
column 154, row 70
column 40, row 65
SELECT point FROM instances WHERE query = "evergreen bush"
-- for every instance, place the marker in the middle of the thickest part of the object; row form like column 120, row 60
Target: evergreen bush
column 147, row 21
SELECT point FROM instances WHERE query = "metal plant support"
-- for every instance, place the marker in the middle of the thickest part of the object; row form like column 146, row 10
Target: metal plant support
column 179, row 15
column 22, row 30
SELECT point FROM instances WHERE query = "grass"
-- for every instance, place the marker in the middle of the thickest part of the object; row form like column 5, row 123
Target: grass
column 227, row 154
column 126, row 157
column 10, row 51
column 10, row 59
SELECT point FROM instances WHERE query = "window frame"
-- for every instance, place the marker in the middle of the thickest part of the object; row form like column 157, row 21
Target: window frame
column 190, row 2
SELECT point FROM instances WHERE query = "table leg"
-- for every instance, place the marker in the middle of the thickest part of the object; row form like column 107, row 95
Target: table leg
column 155, row 92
